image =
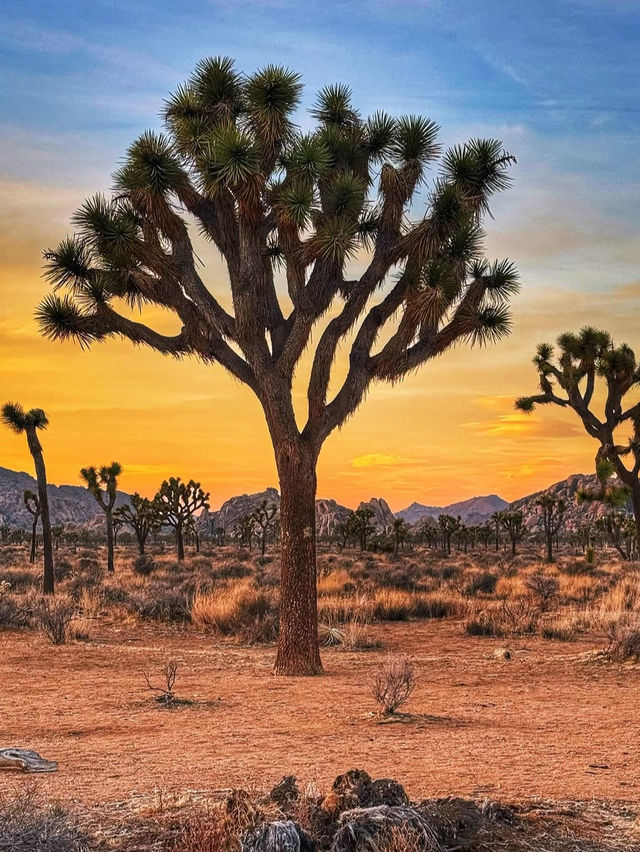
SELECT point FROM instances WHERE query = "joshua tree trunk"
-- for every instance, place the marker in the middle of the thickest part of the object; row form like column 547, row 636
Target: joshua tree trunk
column 549, row 547
column 180, row 542
column 35, row 448
column 34, row 536
column 635, row 503
column 110, row 542
column 298, row 652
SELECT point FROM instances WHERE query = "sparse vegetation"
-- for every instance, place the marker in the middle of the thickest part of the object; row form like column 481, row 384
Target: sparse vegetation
column 393, row 684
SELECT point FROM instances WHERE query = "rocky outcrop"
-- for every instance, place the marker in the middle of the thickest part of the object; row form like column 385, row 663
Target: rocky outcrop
column 328, row 515
column 235, row 508
column 71, row 505
column 575, row 513
column 382, row 518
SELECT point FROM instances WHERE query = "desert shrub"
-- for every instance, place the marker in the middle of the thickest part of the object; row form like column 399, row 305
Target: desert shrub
column 356, row 637
column 53, row 616
column 242, row 610
column 590, row 556
column 20, row 579
column 624, row 642
column 79, row 629
column 231, row 570
column 28, row 825
column 143, row 565
column 484, row 582
column 544, row 588
column 574, row 567
column 159, row 602
column 13, row 614
column 63, row 569
column 393, row 683
column 559, row 631
column 436, row 606
column 117, row 594
column 87, row 562
column 330, row 635
column 484, row 624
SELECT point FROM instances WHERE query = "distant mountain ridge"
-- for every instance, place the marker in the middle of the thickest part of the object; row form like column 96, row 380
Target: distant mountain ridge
column 472, row 511
column 73, row 505
column 68, row 504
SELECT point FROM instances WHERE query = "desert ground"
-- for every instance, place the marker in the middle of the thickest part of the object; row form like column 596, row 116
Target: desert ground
column 541, row 708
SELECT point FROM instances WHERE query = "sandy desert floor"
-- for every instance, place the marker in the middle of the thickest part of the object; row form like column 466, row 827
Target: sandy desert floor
column 550, row 722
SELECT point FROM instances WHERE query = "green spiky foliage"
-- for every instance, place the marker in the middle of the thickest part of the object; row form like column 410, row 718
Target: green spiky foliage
column 103, row 485
column 569, row 377
column 141, row 514
column 552, row 509
column 32, row 505
column 448, row 525
column 177, row 503
column 30, row 422
column 327, row 215
column 265, row 518
column 512, row 520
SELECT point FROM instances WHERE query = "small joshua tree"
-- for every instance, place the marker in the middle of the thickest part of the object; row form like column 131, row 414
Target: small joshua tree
column 15, row 417
column 400, row 534
column 57, row 533
column 448, row 526
column 552, row 509
column 142, row 516
column 393, row 683
column 513, row 523
column 177, row 502
column 360, row 526
column 569, row 381
column 103, row 484
column 265, row 518
column 32, row 505
column 243, row 530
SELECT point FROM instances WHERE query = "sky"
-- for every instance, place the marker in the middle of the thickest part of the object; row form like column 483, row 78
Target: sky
column 557, row 80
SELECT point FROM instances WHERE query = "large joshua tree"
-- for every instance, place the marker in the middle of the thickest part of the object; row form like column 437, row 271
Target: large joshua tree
column 15, row 417
column 569, row 380
column 314, row 229
column 103, row 485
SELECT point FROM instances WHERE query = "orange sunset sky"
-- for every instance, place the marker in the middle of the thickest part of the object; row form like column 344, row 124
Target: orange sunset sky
column 447, row 433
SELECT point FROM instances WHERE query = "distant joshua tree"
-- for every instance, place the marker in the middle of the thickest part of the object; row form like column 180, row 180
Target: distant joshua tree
column 15, row 417
column 57, row 533
column 32, row 505
column 141, row 515
column 177, row 502
column 569, row 381
column 552, row 509
column 103, row 484
column 513, row 522
column 360, row 526
column 233, row 166
column 448, row 526
column 243, row 530
column 485, row 533
column 401, row 531
column 264, row 516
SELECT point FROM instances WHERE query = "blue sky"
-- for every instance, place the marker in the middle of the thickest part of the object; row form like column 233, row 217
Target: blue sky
column 558, row 80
